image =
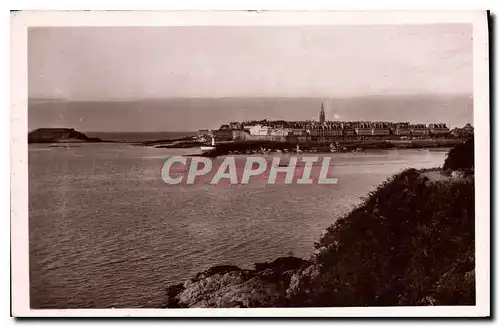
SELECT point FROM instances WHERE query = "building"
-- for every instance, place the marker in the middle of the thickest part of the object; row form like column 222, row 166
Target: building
column 259, row 130
column 280, row 131
column 348, row 132
column 235, row 125
column 333, row 130
column 240, row 135
column 224, row 133
column 380, row 129
column 438, row 129
column 322, row 116
column 419, row 130
column 323, row 130
column 363, row 129
column 298, row 129
column 401, row 129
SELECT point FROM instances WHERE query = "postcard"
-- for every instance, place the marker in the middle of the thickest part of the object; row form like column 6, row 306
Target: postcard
column 250, row 164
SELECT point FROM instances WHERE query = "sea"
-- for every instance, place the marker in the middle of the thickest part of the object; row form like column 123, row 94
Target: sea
column 105, row 231
column 140, row 136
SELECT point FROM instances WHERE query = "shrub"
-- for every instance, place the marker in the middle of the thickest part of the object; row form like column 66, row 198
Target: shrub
column 412, row 239
column 461, row 157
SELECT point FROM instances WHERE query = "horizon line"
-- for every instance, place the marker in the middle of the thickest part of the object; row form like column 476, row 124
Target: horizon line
column 436, row 95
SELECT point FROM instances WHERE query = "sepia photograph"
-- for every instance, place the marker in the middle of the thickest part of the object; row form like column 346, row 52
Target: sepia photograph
column 282, row 161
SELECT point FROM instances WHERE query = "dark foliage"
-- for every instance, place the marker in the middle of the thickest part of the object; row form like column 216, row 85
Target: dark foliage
column 461, row 157
column 410, row 243
column 282, row 264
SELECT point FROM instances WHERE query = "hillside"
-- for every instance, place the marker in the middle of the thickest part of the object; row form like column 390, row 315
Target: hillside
column 411, row 242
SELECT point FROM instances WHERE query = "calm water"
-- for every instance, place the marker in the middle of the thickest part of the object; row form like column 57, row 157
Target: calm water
column 105, row 231
column 139, row 136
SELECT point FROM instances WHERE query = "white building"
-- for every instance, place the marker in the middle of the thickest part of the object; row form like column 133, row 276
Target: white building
column 281, row 131
column 259, row 130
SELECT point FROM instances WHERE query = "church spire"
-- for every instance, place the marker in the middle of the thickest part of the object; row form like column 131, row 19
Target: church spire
column 322, row 114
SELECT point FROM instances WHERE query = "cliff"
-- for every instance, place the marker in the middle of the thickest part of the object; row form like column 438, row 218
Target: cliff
column 411, row 242
column 58, row 135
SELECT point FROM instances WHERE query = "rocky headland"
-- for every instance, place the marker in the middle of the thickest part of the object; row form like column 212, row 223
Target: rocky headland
column 411, row 242
column 59, row 135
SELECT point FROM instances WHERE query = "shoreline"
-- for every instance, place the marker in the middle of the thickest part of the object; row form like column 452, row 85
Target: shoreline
column 345, row 146
column 351, row 265
column 70, row 136
column 276, row 148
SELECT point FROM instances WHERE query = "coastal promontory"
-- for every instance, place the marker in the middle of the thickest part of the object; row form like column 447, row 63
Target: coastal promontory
column 59, row 135
column 411, row 242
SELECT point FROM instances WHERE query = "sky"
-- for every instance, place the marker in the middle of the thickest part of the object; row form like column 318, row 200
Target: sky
column 144, row 64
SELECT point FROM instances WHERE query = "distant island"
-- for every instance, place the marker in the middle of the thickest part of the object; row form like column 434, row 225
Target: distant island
column 59, row 135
